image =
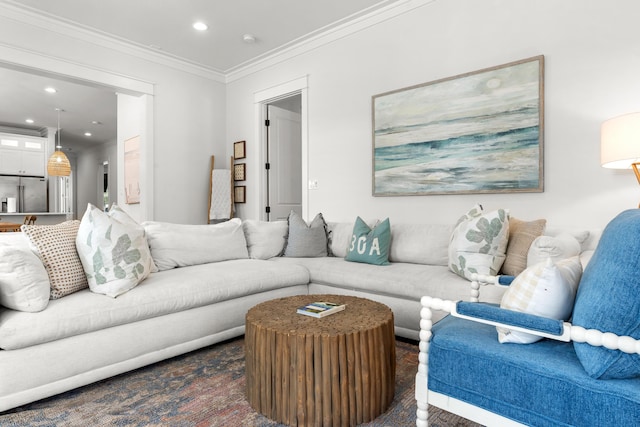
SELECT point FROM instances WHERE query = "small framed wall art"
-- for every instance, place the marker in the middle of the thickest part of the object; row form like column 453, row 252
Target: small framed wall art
column 240, row 172
column 240, row 194
column 239, row 150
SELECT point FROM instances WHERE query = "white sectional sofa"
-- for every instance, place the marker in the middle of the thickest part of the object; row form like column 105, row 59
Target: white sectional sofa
column 85, row 336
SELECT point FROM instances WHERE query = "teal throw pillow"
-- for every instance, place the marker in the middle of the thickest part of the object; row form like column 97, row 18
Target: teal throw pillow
column 370, row 246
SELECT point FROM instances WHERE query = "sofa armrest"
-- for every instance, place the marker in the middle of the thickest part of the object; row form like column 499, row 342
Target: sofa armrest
column 478, row 280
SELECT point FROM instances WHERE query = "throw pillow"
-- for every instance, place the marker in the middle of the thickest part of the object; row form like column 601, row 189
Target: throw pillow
column 479, row 242
column 306, row 240
column 339, row 235
column 609, row 299
column 181, row 245
column 521, row 235
column 370, row 246
column 56, row 247
column 562, row 246
column 265, row 239
column 24, row 283
column 113, row 251
column 547, row 289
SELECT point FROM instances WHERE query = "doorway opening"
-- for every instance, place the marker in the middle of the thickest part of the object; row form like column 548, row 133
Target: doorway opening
column 283, row 150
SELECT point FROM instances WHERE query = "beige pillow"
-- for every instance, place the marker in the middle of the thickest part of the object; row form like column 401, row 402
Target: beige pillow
column 56, row 247
column 521, row 235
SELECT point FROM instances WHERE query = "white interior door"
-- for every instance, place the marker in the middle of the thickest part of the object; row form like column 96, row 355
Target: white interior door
column 285, row 162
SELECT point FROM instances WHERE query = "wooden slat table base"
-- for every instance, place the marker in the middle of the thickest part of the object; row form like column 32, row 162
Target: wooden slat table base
column 335, row 371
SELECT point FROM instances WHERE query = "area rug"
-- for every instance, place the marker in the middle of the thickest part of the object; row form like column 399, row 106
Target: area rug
column 200, row 389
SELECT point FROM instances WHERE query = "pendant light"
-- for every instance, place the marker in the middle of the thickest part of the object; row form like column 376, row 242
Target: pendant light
column 58, row 164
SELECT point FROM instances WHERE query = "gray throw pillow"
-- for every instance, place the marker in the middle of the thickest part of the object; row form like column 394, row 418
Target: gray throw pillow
column 306, row 241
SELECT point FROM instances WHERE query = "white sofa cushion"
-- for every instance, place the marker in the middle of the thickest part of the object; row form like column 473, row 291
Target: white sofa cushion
column 400, row 280
column 24, row 283
column 265, row 239
column 181, row 245
column 420, row 243
column 161, row 293
column 113, row 250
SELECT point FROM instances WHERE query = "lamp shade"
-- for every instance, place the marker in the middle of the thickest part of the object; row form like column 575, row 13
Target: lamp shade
column 58, row 164
column 620, row 141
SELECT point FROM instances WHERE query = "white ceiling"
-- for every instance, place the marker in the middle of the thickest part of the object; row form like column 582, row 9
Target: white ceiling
column 164, row 27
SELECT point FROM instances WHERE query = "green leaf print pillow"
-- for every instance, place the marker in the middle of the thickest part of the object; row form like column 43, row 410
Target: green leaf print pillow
column 479, row 242
column 113, row 250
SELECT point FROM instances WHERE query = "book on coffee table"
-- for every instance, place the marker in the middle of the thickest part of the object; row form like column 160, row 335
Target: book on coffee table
column 320, row 309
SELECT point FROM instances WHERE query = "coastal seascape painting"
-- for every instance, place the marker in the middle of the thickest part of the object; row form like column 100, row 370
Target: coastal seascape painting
column 480, row 132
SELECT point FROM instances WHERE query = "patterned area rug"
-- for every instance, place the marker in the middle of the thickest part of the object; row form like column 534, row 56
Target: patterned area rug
column 202, row 388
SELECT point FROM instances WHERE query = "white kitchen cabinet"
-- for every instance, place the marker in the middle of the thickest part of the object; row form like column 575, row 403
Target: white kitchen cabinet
column 22, row 155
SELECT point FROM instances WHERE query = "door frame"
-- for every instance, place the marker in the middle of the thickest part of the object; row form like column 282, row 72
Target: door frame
column 261, row 100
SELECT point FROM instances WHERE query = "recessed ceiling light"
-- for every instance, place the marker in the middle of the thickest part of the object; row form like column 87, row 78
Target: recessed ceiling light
column 30, row 121
column 95, row 122
column 87, row 134
column 50, row 89
column 200, row 26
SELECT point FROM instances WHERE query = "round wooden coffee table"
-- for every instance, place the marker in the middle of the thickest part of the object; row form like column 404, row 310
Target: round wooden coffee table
column 337, row 370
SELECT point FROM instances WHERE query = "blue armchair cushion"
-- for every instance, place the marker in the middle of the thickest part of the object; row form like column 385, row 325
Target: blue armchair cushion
column 540, row 384
column 608, row 297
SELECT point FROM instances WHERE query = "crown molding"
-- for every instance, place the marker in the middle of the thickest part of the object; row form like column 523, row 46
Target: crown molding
column 323, row 36
column 12, row 9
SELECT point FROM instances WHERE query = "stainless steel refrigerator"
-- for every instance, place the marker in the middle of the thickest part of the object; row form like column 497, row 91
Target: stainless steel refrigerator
column 30, row 193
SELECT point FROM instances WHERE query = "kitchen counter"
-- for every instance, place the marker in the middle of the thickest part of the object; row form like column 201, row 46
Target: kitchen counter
column 44, row 218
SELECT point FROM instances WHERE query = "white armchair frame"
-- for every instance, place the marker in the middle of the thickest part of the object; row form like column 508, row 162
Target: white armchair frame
column 424, row 397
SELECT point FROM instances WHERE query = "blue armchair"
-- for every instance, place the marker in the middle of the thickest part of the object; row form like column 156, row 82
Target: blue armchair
column 583, row 373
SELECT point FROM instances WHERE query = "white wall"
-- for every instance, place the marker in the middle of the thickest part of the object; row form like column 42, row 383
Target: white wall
column 592, row 69
column 188, row 118
column 87, row 164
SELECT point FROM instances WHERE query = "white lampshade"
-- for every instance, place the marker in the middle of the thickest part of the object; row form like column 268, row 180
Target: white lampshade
column 620, row 141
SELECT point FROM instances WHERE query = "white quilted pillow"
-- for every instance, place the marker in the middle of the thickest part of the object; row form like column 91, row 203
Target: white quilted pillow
column 547, row 289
